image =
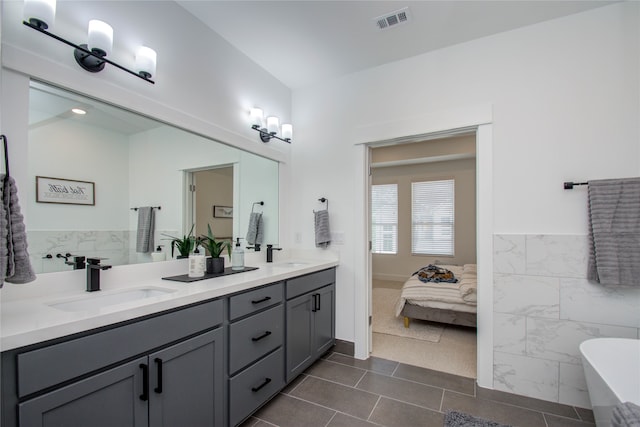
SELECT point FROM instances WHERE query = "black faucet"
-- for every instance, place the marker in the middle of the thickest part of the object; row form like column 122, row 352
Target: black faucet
column 93, row 274
column 270, row 250
column 77, row 263
column 255, row 247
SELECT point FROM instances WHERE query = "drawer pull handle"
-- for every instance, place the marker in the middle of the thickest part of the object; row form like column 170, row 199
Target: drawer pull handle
column 260, row 300
column 266, row 381
column 266, row 334
column 145, row 382
column 158, row 388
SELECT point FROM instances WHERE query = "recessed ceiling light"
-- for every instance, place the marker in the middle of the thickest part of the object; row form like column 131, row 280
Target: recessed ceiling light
column 78, row 111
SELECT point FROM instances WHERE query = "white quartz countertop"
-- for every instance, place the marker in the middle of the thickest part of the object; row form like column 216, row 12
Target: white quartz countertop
column 28, row 313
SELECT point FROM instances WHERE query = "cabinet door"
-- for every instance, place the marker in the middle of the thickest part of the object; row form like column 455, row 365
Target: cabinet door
column 111, row 398
column 324, row 321
column 299, row 335
column 186, row 383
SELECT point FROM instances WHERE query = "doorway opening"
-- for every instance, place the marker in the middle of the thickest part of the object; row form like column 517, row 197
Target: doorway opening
column 210, row 201
column 435, row 125
column 423, row 213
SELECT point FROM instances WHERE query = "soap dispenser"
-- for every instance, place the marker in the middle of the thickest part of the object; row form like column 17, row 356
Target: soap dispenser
column 158, row 255
column 196, row 263
column 237, row 256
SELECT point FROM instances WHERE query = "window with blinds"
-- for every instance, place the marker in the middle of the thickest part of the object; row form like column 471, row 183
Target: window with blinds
column 432, row 217
column 384, row 219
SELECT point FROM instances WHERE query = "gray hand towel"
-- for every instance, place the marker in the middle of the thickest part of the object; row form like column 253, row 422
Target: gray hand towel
column 322, row 231
column 18, row 267
column 626, row 414
column 614, row 231
column 4, row 233
column 255, row 234
column 260, row 233
column 146, row 225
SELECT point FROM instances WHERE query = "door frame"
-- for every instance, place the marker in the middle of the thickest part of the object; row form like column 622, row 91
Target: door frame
column 436, row 125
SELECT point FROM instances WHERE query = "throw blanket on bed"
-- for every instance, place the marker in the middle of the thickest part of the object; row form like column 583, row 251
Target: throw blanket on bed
column 420, row 293
column 433, row 273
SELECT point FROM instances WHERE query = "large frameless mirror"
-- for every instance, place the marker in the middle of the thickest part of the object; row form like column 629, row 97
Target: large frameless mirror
column 118, row 161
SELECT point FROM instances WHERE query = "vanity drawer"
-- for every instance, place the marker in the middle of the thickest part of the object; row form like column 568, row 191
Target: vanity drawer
column 256, row 385
column 252, row 301
column 48, row 366
column 255, row 336
column 303, row 284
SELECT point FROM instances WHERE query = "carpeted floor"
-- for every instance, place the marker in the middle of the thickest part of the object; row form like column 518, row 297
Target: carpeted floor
column 454, row 353
column 385, row 321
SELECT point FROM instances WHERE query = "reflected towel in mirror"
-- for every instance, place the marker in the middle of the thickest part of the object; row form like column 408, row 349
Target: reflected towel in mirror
column 146, row 225
column 255, row 231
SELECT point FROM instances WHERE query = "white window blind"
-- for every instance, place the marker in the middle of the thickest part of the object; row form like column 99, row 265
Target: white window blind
column 432, row 217
column 384, row 218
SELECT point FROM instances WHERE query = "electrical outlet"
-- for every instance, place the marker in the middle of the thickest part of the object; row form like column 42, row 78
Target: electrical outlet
column 298, row 237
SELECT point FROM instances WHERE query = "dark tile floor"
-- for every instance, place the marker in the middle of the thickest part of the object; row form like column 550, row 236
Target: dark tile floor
column 340, row 391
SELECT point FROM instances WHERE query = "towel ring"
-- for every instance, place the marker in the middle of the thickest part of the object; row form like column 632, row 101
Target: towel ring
column 254, row 205
column 324, row 200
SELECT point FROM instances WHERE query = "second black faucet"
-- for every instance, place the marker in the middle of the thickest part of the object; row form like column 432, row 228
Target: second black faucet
column 93, row 274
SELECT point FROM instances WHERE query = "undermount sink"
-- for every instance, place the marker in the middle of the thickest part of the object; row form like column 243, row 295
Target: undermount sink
column 289, row 264
column 100, row 300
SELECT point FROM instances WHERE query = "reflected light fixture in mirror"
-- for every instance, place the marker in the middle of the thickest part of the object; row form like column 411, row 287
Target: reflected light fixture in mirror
column 272, row 126
column 92, row 56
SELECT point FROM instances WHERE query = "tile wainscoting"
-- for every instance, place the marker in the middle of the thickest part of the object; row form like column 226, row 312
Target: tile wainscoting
column 544, row 307
column 118, row 247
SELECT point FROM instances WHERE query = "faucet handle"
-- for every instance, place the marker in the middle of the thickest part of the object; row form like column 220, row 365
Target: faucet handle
column 95, row 262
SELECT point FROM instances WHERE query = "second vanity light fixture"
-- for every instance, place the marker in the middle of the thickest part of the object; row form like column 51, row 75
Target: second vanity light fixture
column 40, row 14
column 272, row 127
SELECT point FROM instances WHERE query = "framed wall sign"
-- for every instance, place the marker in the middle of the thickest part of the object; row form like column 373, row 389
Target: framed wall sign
column 65, row 191
column 222, row 212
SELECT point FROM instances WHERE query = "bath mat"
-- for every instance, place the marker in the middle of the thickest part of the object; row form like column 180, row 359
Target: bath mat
column 460, row 419
column 385, row 322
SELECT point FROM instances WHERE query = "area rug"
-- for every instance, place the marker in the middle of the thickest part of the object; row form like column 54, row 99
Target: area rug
column 385, row 322
column 460, row 419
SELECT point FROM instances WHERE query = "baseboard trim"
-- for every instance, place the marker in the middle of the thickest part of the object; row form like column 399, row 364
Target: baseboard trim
column 344, row 347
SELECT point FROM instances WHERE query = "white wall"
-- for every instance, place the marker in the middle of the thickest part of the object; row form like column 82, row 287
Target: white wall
column 565, row 107
column 71, row 150
column 208, row 93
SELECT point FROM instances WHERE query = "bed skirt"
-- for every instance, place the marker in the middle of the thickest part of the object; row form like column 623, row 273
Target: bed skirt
column 438, row 315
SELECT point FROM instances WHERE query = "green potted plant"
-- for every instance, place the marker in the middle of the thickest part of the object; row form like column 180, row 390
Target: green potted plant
column 215, row 264
column 184, row 245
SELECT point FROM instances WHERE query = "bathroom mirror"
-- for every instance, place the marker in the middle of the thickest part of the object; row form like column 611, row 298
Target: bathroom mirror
column 130, row 161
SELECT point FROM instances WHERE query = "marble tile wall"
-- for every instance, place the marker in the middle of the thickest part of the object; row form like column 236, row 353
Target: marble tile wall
column 117, row 246
column 544, row 307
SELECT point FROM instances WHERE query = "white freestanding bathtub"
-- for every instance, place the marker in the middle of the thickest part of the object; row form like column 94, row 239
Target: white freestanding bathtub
column 612, row 369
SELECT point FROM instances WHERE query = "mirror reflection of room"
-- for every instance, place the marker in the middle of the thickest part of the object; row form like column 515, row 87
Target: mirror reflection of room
column 131, row 161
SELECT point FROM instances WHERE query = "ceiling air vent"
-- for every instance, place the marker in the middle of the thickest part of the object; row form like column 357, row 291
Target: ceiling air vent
column 392, row 19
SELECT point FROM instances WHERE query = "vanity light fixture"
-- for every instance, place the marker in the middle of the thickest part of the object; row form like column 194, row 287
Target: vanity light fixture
column 272, row 127
column 40, row 14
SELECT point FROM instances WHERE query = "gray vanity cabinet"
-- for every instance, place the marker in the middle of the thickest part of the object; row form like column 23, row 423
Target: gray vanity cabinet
column 256, row 355
column 163, row 370
column 91, row 402
column 310, row 309
column 168, row 388
column 186, row 383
